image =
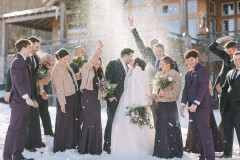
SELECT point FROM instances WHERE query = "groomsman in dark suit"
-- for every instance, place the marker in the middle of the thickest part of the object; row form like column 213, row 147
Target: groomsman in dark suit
column 231, row 107
column 115, row 72
column 152, row 54
column 196, row 94
column 78, row 51
column 34, row 138
column 227, row 65
column 21, row 100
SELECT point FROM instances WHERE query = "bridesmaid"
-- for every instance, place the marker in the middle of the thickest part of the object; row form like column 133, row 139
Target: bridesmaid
column 168, row 137
column 91, row 136
column 64, row 87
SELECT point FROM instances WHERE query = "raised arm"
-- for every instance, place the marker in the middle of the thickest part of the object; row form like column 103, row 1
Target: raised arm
column 218, row 52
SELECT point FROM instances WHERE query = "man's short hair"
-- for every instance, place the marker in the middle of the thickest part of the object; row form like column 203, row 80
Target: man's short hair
column 22, row 43
column 126, row 51
column 154, row 41
column 236, row 53
column 76, row 48
column 34, row 39
column 159, row 45
column 230, row 44
column 191, row 53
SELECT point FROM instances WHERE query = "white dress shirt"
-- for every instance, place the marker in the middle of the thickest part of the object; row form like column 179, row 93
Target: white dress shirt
column 124, row 66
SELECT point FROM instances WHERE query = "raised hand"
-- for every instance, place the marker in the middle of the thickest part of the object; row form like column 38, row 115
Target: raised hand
column 130, row 20
column 100, row 44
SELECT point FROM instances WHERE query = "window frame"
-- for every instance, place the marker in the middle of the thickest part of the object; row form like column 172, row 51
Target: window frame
column 214, row 20
column 233, row 9
column 238, row 5
column 213, row 8
column 228, row 25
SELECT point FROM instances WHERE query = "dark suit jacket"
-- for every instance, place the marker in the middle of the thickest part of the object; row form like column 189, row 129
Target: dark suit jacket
column 197, row 87
column 232, row 87
column 21, row 80
column 226, row 65
column 8, row 85
column 116, row 74
column 76, row 70
column 146, row 52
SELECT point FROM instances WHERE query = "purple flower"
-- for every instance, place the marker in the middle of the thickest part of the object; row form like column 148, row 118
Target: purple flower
column 100, row 83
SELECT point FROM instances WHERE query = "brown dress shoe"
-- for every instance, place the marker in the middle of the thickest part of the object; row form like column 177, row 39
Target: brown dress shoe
column 32, row 150
column 224, row 156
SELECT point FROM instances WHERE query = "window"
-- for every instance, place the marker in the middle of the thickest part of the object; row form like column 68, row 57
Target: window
column 136, row 2
column 192, row 27
column 212, row 25
column 228, row 25
column 239, row 7
column 168, row 10
column 192, row 6
column 142, row 13
column 212, row 7
column 228, row 9
column 170, row 25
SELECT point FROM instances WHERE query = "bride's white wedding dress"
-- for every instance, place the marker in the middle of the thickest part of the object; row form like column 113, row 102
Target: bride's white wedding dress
column 129, row 139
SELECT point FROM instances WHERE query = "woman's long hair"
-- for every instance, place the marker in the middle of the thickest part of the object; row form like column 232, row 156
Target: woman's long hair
column 99, row 73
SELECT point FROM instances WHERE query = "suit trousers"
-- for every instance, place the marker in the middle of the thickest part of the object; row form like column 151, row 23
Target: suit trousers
column 111, row 110
column 202, row 132
column 15, row 138
column 45, row 116
column 231, row 120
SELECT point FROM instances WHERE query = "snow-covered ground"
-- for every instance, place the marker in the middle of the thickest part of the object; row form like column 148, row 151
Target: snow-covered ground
column 47, row 154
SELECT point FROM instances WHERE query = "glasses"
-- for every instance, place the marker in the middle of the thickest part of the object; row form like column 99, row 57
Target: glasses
column 49, row 63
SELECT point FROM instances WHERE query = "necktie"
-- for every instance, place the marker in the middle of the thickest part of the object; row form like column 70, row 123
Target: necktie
column 32, row 62
column 157, row 66
column 235, row 74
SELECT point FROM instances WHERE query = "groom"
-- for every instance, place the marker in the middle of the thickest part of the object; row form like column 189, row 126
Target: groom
column 115, row 72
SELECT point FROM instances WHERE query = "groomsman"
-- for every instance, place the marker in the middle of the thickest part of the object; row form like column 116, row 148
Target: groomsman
column 231, row 107
column 20, row 102
column 227, row 65
column 196, row 94
column 78, row 51
column 34, row 138
column 46, row 61
column 115, row 72
column 152, row 54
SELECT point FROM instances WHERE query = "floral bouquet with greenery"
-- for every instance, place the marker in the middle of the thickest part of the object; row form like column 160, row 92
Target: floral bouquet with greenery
column 42, row 73
column 79, row 61
column 106, row 87
column 164, row 81
column 139, row 116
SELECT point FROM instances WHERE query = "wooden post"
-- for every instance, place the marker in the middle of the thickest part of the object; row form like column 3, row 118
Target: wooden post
column 184, row 17
column 3, row 55
column 62, row 21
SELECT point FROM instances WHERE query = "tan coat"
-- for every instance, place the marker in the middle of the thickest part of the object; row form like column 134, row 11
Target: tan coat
column 62, row 83
column 87, row 72
column 172, row 92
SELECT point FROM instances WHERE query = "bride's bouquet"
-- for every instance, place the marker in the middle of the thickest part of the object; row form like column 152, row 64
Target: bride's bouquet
column 106, row 87
column 164, row 81
column 79, row 61
column 139, row 116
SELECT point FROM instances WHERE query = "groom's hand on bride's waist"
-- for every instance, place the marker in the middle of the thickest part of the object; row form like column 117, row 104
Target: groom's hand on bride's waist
column 112, row 99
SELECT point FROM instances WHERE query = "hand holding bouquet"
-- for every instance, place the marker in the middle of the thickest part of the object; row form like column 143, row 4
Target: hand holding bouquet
column 42, row 73
column 164, row 81
column 106, row 87
column 79, row 61
column 139, row 116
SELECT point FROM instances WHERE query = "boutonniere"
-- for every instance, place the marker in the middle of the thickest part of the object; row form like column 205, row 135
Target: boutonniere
column 29, row 67
column 192, row 72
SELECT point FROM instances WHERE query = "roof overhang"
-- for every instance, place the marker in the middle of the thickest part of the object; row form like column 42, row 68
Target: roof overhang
column 39, row 18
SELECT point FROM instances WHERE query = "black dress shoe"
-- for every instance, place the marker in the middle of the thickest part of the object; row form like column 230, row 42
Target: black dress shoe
column 32, row 150
column 26, row 159
column 43, row 145
column 108, row 150
column 224, row 156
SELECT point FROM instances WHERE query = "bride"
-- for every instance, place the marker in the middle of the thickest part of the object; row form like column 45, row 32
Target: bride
column 129, row 139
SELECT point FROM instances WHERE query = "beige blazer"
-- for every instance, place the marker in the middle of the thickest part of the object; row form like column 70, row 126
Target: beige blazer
column 62, row 83
column 87, row 72
column 172, row 92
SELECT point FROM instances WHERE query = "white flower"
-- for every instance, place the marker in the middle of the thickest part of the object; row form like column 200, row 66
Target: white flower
column 170, row 78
